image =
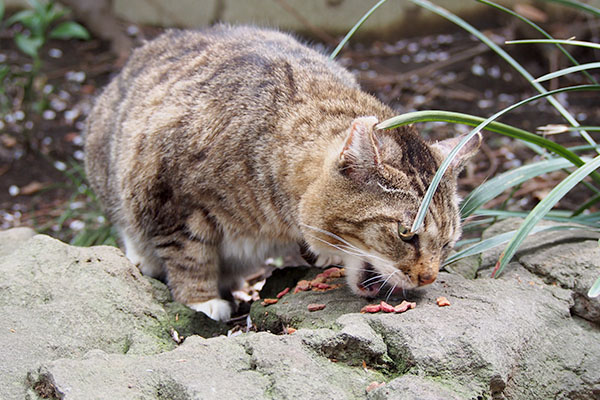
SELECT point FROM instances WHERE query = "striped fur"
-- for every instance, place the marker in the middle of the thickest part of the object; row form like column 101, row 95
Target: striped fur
column 214, row 149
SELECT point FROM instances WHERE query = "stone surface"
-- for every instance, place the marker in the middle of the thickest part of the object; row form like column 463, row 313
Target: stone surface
column 12, row 239
column 493, row 335
column 569, row 259
column 61, row 301
column 82, row 323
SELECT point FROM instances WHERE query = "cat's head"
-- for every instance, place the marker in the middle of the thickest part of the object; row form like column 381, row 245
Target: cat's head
column 362, row 207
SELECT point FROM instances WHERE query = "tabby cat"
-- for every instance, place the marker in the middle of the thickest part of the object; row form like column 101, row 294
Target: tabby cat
column 213, row 150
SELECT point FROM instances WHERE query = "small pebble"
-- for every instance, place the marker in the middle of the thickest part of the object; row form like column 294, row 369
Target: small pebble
column 76, row 225
column 59, row 165
column 75, row 76
column 477, row 69
column 55, row 53
column 49, row 115
column 79, row 155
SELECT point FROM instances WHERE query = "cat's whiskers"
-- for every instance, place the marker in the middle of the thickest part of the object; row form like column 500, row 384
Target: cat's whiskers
column 345, row 242
column 353, row 251
column 358, row 255
column 367, row 255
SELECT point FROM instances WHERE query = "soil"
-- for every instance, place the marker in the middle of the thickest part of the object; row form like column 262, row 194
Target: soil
column 41, row 153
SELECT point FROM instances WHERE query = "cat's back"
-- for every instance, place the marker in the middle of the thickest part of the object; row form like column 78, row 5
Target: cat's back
column 204, row 101
column 225, row 60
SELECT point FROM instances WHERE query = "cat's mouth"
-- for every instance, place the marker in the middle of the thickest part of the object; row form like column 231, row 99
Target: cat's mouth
column 371, row 282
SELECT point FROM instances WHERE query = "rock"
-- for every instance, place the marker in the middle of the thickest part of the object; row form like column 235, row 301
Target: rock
column 410, row 387
column 466, row 267
column 569, row 259
column 12, row 239
column 255, row 366
column 492, row 335
column 83, row 323
column 62, row 301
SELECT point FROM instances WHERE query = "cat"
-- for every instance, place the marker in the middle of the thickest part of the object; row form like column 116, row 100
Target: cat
column 213, row 150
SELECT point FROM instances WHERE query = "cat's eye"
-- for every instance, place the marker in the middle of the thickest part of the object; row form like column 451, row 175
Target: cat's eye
column 405, row 233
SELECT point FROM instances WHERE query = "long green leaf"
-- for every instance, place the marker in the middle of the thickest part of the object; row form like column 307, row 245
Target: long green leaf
column 469, row 28
column 567, row 71
column 540, row 30
column 19, row 17
column 579, row 5
column 495, row 186
column 420, row 217
column 466, row 119
column 69, row 30
column 595, row 289
column 590, row 202
column 556, row 41
column 354, row 29
column 556, row 216
column 500, row 239
column 29, row 45
column 541, row 209
column 1, row 10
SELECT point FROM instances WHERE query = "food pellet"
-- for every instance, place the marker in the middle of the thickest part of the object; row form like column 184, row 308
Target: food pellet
column 371, row 308
column 283, row 292
column 266, row 302
column 405, row 305
column 385, row 307
column 442, row 301
column 315, row 307
column 374, row 385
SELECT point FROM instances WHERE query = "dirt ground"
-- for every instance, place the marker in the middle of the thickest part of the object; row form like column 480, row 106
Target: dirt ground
column 41, row 153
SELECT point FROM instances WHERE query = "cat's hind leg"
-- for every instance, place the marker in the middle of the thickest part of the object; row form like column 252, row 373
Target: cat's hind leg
column 193, row 274
column 142, row 257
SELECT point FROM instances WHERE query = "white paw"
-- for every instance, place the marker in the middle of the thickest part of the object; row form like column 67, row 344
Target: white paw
column 325, row 260
column 217, row 309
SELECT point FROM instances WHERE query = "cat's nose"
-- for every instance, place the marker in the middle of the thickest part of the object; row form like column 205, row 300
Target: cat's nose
column 425, row 278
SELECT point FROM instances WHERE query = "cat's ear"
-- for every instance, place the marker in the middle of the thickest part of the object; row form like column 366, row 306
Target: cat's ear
column 360, row 155
column 470, row 148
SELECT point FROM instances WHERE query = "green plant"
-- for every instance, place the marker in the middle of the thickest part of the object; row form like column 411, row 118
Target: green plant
column 41, row 22
column 557, row 156
column 82, row 223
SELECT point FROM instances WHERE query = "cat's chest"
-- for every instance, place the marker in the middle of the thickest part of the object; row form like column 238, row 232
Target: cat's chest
column 248, row 251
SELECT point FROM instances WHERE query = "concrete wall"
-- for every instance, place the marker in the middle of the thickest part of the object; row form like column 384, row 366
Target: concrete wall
column 395, row 17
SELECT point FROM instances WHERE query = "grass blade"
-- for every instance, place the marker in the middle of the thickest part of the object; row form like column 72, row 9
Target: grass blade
column 354, row 29
column 556, row 41
column 466, row 119
column 500, row 239
column 495, row 186
column 592, row 201
column 569, row 70
column 578, row 5
column 595, row 289
column 541, row 209
column 396, row 121
column 469, row 28
column 556, row 216
column 540, row 30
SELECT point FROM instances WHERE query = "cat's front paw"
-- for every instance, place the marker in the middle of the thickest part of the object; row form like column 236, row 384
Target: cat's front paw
column 217, row 309
column 325, row 260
